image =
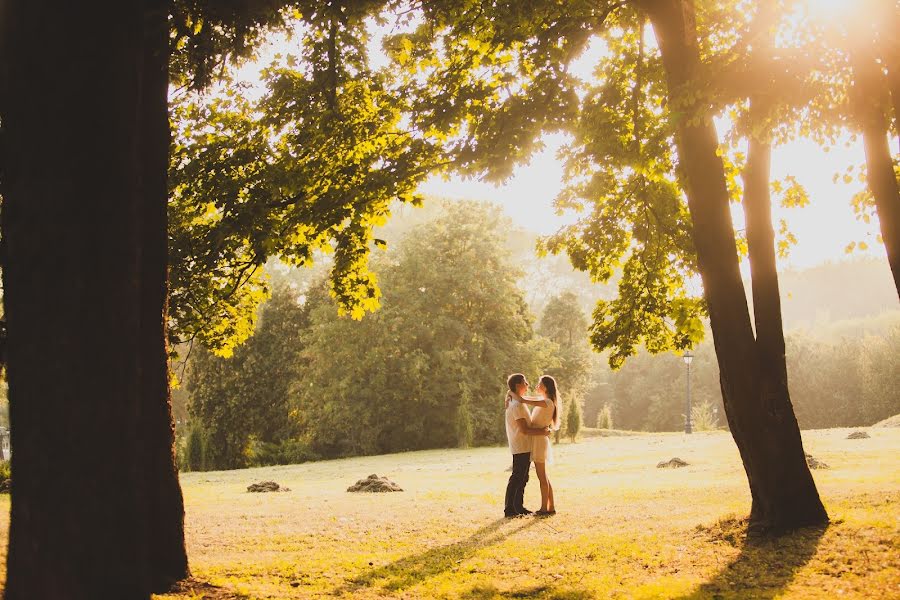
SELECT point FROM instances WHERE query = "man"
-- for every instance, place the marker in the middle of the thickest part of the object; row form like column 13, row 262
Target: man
column 518, row 433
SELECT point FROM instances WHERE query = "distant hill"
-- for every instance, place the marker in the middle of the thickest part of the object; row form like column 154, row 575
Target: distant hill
column 856, row 288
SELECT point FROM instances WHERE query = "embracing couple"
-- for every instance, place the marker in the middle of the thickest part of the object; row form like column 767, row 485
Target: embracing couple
column 529, row 440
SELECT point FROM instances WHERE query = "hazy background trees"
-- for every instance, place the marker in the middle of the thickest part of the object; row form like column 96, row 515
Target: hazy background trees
column 462, row 290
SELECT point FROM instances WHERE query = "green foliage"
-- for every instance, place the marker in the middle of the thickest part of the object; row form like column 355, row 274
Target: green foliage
column 604, row 418
column 703, row 418
column 234, row 400
column 508, row 68
column 310, row 167
column 564, row 323
column 573, row 419
column 650, row 391
column 431, row 362
column 846, row 383
column 5, row 470
column 283, row 452
column 464, row 418
column 842, row 382
column 205, row 34
column 195, row 450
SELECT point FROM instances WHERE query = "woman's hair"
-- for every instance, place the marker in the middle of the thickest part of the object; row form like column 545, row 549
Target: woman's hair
column 552, row 393
column 514, row 381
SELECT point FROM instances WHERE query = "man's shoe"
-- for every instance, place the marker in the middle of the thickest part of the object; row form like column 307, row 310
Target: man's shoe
column 525, row 511
column 511, row 515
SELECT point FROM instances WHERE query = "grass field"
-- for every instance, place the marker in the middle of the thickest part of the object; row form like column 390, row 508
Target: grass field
column 625, row 529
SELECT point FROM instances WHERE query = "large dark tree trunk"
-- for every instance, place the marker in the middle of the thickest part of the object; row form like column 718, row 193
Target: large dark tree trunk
column 759, row 411
column 96, row 509
column 871, row 97
column 165, row 506
column 72, row 296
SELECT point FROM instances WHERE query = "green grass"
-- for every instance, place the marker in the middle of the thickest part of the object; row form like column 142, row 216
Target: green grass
column 624, row 530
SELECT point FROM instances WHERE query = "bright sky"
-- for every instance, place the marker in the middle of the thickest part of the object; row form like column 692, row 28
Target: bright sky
column 823, row 229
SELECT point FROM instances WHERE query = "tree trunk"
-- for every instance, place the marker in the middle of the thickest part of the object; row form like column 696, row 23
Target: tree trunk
column 761, row 418
column 97, row 511
column 72, row 172
column 870, row 98
column 165, row 506
column 758, row 215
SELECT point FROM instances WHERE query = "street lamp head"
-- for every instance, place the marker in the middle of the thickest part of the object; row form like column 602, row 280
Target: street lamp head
column 688, row 357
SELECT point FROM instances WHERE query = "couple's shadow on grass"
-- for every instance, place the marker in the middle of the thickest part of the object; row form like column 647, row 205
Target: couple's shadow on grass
column 415, row 568
column 763, row 568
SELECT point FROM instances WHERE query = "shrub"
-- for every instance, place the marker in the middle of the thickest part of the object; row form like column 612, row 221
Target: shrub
column 702, row 417
column 195, row 450
column 604, row 418
column 464, row 422
column 285, row 452
column 573, row 420
column 5, row 477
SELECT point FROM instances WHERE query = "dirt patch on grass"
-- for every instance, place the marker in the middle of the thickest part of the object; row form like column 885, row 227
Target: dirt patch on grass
column 194, row 588
column 858, row 435
column 266, row 486
column 731, row 530
column 815, row 463
column 675, row 463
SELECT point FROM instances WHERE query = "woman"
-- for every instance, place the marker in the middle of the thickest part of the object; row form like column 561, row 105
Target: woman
column 545, row 414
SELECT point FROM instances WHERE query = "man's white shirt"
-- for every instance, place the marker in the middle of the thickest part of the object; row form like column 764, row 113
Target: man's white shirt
column 519, row 442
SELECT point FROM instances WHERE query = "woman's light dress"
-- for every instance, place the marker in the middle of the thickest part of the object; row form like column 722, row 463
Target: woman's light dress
column 542, row 416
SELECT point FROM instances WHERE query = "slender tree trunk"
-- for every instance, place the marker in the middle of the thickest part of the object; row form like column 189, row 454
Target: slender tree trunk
column 165, row 506
column 870, row 98
column 758, row 215
column 72, row 173
column 890, row 51
column 761, row 419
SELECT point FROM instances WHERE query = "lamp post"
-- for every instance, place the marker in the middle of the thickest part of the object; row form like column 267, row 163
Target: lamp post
column 688, row 357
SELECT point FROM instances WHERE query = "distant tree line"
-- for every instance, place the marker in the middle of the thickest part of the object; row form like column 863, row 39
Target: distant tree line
column 846, row 382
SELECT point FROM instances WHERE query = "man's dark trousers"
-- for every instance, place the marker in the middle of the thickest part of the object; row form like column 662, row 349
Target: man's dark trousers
column 515, row 489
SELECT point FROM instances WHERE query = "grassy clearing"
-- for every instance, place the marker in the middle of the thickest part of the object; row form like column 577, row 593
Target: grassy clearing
column 625, row 529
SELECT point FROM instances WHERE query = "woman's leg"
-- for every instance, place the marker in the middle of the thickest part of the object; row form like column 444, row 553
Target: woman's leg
column 540, row 469
column 551, row 506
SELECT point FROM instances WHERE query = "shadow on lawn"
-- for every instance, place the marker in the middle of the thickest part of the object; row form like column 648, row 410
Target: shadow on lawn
column 764, row 567
column 410, row 570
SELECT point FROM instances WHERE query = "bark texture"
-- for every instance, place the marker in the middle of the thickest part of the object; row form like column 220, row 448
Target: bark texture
column 162, row 492
column 871, row 98
column 757, row 406
column 96, row 510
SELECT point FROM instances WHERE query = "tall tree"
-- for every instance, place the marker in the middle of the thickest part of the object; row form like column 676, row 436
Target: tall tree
column 452, row 322
column 756, row 401
column 247, row 395
column 72, row 292
column 101, row 283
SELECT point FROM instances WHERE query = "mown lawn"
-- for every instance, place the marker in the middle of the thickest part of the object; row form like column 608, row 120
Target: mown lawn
column 625, row 529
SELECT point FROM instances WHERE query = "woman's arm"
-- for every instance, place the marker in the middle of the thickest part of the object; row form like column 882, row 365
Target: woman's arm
column 534, row 400
column 524, row 428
